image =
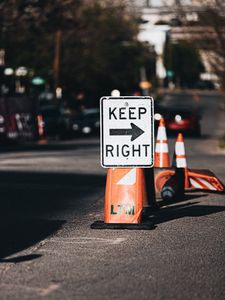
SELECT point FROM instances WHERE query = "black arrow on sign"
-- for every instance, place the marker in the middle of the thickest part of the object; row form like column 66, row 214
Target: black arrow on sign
column 134, row 131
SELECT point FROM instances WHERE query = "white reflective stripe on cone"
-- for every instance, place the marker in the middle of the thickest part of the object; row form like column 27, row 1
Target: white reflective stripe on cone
column 195, row 184
column 206, row 183
column 161, row 160
column 161, row 148
column 128, row 179
column 161, row 134
column 179, row 148
column 181, row 163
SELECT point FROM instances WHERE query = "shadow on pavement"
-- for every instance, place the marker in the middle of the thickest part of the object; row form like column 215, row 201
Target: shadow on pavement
column 194, row 190
column 35, row 205
column 35, row 194
column 190, row 209
column 49, row 146
column 19, row 259
column 162, row 203
column 62, row 179
column 21, row 234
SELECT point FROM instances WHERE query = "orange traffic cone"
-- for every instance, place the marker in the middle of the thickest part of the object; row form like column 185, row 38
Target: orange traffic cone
column 123, row 200
column 179, row 158
column 41, row 133
column 162, row 159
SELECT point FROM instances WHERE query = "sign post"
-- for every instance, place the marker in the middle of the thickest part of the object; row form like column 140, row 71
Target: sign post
column 127, row 147
column 127, row 132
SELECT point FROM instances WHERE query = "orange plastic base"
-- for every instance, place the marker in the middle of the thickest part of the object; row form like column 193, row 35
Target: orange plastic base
column 140, row 226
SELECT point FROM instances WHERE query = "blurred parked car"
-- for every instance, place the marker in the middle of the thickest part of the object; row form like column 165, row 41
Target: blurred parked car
column 87, row 122
column 17, row 118
column 205, row 85
column 181, row 119
column 55, row 122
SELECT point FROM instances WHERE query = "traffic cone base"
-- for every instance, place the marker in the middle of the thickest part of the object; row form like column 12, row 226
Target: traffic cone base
column 146, row 225
column 124, row 196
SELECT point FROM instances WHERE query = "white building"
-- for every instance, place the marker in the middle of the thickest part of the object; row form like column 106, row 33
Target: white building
column 156, row 14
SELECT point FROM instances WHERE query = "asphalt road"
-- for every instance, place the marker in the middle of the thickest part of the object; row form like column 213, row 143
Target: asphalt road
column 52, row 193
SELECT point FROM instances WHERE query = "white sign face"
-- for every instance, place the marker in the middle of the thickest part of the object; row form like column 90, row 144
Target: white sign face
column 127, row 135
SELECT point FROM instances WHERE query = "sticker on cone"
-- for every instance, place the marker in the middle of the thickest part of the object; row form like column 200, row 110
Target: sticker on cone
column 124, row 196
column 162, row 159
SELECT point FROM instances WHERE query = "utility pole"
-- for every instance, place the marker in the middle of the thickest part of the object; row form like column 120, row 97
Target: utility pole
column 57, row 59
column 180, row 10
column 148, row 4
column 2, row 57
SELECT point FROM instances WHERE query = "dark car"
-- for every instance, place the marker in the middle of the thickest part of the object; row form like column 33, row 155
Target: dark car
column 17, row 118
column 87, row 122
column 55, row 122
column 205, row 85
column 181, row 119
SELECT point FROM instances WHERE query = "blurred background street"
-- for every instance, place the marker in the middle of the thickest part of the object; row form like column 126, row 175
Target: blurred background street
column 57, row 58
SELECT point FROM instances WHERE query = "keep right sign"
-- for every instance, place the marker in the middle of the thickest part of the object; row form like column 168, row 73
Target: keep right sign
column 127, row 132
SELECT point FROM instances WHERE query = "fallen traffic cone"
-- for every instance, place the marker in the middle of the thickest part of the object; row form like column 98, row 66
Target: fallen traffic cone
column 205, row 180
column 162, row 159
column 123, row 200
column 171, row 183
column 161, row 178
column 200, row 179
column 173, row 189
column 179, row 158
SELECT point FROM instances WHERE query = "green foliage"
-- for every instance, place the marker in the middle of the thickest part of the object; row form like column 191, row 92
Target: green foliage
column 99, row 49
column 184, row 59
column 213, row 40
